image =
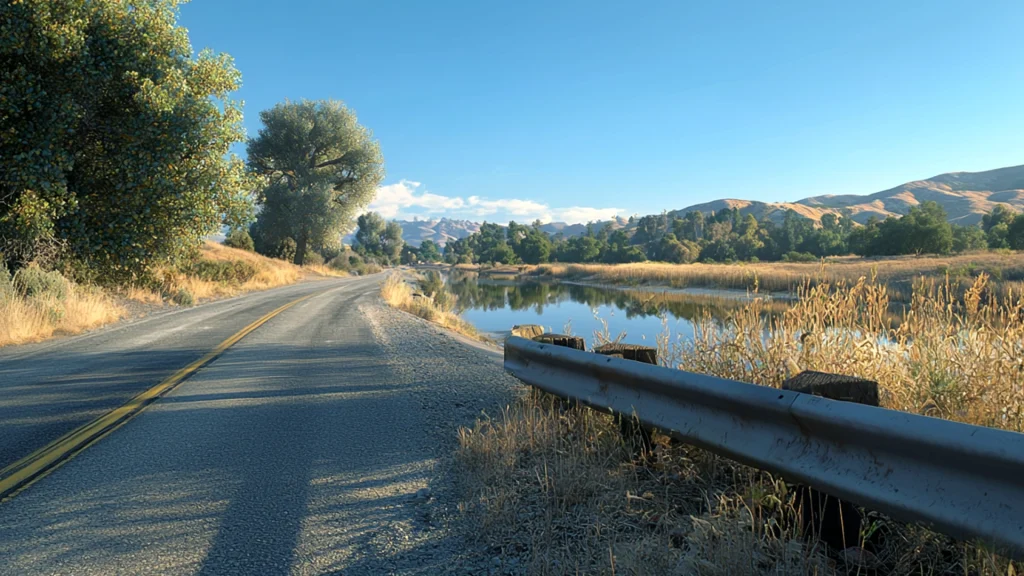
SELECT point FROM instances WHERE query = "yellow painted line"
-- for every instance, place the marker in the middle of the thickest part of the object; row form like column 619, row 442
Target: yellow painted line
column 21, row 474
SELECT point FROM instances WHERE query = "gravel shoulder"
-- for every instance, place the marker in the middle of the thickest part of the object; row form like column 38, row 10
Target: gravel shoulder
column 464, row 380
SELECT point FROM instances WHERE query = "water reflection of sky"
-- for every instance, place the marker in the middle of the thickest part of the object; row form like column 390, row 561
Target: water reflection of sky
column 495, row 306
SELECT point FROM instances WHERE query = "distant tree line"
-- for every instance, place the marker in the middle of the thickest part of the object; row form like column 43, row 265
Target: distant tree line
column 730, row 236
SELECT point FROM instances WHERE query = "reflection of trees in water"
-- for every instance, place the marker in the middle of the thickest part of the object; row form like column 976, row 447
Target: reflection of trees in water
column 496, row 295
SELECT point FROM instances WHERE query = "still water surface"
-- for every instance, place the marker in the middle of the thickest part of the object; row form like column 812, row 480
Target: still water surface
column 494, row 306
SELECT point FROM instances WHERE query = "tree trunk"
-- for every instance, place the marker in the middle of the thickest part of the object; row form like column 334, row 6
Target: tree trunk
column 300, row 248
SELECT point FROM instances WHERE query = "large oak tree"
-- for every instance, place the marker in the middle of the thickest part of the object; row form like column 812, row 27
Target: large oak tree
column 320, row 167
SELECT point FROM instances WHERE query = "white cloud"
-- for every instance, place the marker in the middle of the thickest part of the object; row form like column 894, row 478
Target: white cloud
column 512, row 206
column 404, row 200
column 395, row 199
column 583, row 214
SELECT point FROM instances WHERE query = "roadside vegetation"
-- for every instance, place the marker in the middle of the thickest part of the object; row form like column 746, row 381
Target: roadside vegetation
column 116, row 164
column 729, row 236
column 1005, row 271
column 36, row 304
column 429, row 299
column 561, row 488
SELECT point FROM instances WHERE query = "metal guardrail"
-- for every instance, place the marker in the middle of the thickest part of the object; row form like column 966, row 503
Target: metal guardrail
column 965, row 481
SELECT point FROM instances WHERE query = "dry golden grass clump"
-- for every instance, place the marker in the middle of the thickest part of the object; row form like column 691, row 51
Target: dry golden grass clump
column 35, row 305
column 559, row 487
column 951, row 357
column 898, row 272
column 222, row 271
column 438, row 308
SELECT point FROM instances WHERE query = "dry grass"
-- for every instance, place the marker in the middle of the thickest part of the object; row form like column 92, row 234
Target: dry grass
column 32, row 318
column 269, row 273
column 400, row 294
column 325, row 270
column 77, row 308
column 899, row 273
column 560, row 488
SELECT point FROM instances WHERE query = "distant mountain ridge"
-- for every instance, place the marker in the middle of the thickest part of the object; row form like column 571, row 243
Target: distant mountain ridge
column 966, row 197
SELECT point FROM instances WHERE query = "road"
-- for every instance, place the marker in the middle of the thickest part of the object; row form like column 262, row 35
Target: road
column 314, row 445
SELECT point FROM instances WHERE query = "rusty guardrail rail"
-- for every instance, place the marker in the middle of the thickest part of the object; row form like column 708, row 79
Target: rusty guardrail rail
column 965, row 481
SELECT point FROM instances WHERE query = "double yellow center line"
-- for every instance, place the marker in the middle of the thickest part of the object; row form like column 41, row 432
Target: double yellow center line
column 21, row 474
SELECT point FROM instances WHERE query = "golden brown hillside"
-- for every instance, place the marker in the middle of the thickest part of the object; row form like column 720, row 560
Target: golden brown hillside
column 965, row 196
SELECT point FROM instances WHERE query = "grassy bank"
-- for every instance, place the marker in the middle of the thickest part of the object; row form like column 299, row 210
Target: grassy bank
column 898, row 273
column 559, row 487
column 37, row 304
column 429, row 300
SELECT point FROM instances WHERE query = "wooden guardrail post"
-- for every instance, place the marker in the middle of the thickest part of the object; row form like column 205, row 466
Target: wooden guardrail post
column 834, row 521
column 632, row 431
column 574, row 342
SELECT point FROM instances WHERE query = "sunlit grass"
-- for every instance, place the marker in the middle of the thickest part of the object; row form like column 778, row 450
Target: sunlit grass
column 31, row 318
column 899, row 273
column 398, row 293
column 560, row 486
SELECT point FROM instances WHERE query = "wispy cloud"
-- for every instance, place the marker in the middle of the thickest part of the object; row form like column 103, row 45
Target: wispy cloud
column 405, row 200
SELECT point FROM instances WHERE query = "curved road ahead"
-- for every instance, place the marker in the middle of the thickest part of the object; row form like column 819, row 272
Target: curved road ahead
column 305, row 448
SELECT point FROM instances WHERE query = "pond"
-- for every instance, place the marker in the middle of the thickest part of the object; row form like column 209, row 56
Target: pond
column 494, row 306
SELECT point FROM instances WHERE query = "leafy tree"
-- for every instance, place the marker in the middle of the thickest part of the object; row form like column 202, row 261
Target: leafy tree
column 925, row 229
column 998, row 236
column 379, row 239
column 864, row 241
column 1015, row 233
column 1000, row 214
column 320, row 167
column 114, row 138
column 239, row 238
column 409, row 255
column 428, row 251
column 968, row 238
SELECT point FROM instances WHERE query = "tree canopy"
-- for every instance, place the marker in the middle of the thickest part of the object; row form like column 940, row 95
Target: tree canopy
column 378, row 239
column 729, row 235
column 114, row 138
column 320, row 167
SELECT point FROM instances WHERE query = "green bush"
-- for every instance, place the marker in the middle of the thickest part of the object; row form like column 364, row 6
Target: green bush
column 236, row 271
column 6, row 284
column 313, row 258
column 431, row 284
column 183, row 298
column 34, row 282
column 240, row 238
column 799, row 257
column 286, row 250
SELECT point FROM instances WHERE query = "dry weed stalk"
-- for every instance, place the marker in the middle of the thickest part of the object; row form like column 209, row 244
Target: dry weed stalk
column 557, row 486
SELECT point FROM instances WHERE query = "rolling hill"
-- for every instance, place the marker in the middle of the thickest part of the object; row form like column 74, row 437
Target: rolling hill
column 966, row 197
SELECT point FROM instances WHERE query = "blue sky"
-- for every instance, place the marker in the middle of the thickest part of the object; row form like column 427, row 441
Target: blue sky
column 579, row 110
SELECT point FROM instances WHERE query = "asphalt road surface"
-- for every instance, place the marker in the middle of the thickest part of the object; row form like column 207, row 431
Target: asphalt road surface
column 309, row 447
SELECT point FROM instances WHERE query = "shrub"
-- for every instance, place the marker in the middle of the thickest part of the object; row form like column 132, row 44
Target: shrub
column 34, row 282
column 183, row 298
column 6, row 284
column 236, row 271
column 286, row 250
column 240, row 238
column 431, row 284
column 313, row 258
column 799, row 257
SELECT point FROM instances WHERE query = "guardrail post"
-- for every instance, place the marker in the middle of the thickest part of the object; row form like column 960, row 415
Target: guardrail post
column 632, row 431
column 574, row 342
column 836, row 522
